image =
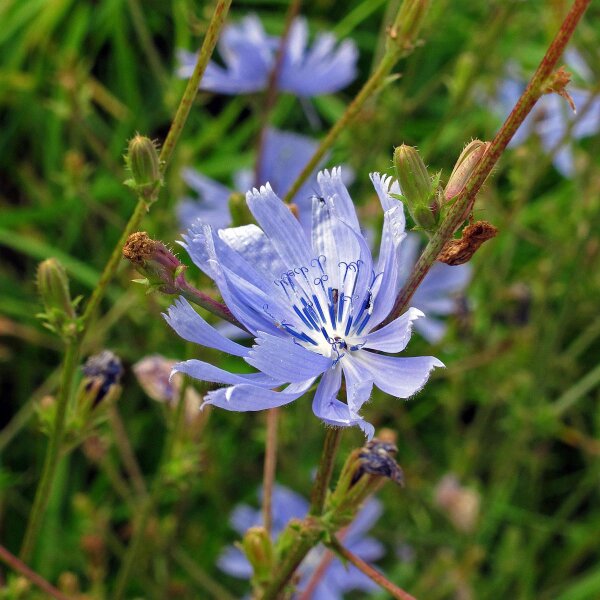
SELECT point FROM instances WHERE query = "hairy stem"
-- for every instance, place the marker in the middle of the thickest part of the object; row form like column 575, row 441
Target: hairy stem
column 464, row 201
column 20, row 567
column 325, row 470
column 370, row 571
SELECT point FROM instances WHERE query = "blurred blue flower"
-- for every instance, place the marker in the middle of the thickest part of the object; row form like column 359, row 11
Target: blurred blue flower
column 437, row 294
column 311, row 300
column 552, row 117
column 283, row 158
column 249, row 55
column 336, row 579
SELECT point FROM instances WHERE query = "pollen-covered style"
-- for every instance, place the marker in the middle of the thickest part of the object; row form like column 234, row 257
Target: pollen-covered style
column 312, row 298
column 249, row 55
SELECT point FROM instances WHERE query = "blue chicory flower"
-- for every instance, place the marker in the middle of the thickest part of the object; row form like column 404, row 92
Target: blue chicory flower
column 551, row 117
column 249, row 56
column 311, row 300
column 437, row 294
column 336, row 579
column 282, row 160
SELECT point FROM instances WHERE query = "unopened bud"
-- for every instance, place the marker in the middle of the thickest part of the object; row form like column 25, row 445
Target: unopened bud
column 144, row 164
column 102, row 374
column 258, row 548
column 418, row 187
column 154, row 260
column 53, row 285
column 465, row 165
column 407, row 24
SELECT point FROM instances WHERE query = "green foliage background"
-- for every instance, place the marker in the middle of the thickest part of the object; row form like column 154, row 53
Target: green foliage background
column 515, row 414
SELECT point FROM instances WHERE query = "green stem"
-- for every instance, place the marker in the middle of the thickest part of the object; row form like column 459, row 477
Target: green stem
column 269, row 467
column 400, row 40
column 369, row 571
column 42, row 494
column 208, row 45
column 465, row 199
column 371, row 86
column 321, row 485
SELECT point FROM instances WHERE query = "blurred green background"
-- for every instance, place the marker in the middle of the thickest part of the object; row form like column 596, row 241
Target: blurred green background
column 514, row 416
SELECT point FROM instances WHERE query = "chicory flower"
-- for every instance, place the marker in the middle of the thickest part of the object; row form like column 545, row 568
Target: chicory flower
column 249, row 56
column 336, row 579
column 312, row 300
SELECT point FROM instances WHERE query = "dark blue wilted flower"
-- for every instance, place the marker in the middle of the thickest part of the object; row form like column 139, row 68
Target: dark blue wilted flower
column 552, row 117
column 437, row 296
column 336, row 579
column 311, row 301
column 283, row 158
column 249, row 56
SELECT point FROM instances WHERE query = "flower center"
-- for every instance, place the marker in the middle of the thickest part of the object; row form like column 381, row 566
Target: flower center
column 333, row 305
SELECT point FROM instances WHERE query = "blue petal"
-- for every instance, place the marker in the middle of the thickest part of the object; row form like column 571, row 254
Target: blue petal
column 333, row 412
column 400, row 377
column 365, row 519
column 204, row 371
column 189, row 325
column 251, row 398
column 233, row 562
column 332, row 186
column 283, row 359
column 395, row 336
column 281, row 227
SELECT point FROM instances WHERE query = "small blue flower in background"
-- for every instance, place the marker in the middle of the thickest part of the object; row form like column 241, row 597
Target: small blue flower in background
column 337, row 578
column 249, row 55
column 311, row 301
column 437, row 294
column 551, row 117
column 283, row 158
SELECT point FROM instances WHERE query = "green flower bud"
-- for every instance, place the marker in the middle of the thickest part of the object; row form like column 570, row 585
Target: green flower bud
column 144, row 164
column 53, row 286
column 418, row 187
column 465, row 165
column 258, row 548
column 407, row 25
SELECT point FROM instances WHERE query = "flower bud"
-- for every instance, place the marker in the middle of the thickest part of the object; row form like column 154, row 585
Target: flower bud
column 407, row 24
column 258, row 548
column 418, row 188
column 53, row 286
column 102, row 373
column 144, row 164
column 465, row 165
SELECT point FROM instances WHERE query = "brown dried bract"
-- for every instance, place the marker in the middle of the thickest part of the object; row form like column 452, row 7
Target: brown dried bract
column 138, row 247
column 557, row 84
column 458, row 252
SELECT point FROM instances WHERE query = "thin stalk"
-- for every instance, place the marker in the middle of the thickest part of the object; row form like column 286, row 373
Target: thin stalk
column 269, row 468
column 272, row 90
column 370, row 571
column 126, row 451
column 135, row 545
column 20, row 567
column 464, row 201
column 400, row 40
column 325, row 470
column 208, row 45
column 42, row 495
column 369, row 88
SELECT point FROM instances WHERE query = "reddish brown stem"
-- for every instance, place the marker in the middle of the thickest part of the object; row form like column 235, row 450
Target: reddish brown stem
column 20, row 567
column 370, row 571
column 466, row 198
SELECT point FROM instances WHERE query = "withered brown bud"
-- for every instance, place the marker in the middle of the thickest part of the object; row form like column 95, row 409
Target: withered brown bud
column 378, row 458
column 458, row 252
column 557, row 84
